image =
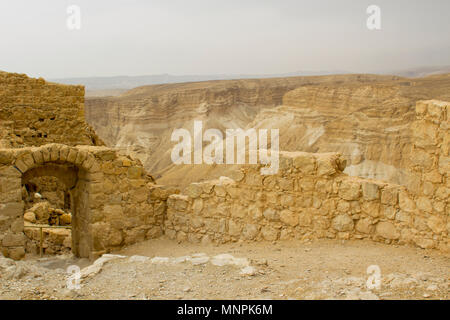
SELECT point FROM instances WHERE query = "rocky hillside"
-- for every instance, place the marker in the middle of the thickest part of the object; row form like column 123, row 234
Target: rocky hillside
column 365, row 117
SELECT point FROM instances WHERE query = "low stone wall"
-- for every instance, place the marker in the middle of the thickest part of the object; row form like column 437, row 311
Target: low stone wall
column 114, row 201
column 311, row 198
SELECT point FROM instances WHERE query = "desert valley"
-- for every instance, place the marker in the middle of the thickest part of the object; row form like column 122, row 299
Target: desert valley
column 363, row 181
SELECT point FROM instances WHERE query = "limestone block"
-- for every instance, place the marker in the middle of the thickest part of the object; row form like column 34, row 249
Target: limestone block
column 387, row 230
column 405, row 202
column 286, row 200
column 307, row 184
column 38, row 157
column 250, row 231
column 371, row 208
column 364, row 226
column 16, row 253
column 437, row 224
column 29, row 216
column 443, row 193
column 424, row 243
column 220, row 190
column 444, row 165
column 305, row 163
column 88, row 162
column 424, row 204
column 343, row 206
column 286, row 184
column 403, row 216
column 196, row 222
column 63, row 153
column 133, row 236
column 425, row 133
column 349, row 190
column 54, row 152
column 326, row 166
column 135, row 172
column 305, row 218
column 234, row 228
column 389, row 195
column 194, row 190
column 10, row 172
column 12, row 209
column 269, row 233
column 197, row 206
column 343, row 222
column 178, row 202
column 422, row 158
column 253, row 179
column 289, row 218
column 237, row 175
column 14, row 240
column 371, row 191
column 72, row 155
column 271, row 214
column 388, row 212
column 433, row 176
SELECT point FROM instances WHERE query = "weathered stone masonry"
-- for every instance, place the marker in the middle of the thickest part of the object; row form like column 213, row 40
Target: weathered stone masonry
column 115, row 202
column 34, row 112
column 311, row 198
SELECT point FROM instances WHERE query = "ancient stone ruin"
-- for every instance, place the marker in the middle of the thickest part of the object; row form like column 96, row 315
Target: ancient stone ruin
column 108, row 197
column 54, row 170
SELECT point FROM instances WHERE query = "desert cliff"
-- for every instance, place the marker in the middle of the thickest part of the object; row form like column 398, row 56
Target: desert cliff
column 364, row 117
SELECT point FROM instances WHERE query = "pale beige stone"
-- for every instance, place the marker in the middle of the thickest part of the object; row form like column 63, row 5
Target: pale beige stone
column 343, row 222
column 387, row 230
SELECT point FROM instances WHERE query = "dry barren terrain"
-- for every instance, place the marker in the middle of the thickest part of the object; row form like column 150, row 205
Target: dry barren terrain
column 164, row 269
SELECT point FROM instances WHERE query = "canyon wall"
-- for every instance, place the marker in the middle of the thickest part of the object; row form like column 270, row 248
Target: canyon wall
column 366, row 118
column 34, row 112
column 142, row 120
column 311, row 198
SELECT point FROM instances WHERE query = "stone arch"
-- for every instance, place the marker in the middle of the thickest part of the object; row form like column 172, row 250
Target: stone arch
column 55, row 184
column 115, row 201
column 71, row 166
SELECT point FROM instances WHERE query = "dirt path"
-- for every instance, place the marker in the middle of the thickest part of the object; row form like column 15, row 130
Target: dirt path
column 282, row 270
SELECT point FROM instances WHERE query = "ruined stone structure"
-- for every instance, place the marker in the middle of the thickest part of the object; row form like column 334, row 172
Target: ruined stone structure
column 114, row 202
column 311, row 198
column 43, row 134
column 34, row 112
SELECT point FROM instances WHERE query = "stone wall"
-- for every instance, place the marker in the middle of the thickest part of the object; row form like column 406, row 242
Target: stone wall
column 311, row 198
column 34, row 112
column 115, row 202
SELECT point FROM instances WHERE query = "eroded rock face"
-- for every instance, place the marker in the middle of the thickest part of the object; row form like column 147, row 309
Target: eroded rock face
column 365, row 118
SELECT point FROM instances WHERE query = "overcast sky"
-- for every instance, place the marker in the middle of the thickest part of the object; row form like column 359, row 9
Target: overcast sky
column 140, row 37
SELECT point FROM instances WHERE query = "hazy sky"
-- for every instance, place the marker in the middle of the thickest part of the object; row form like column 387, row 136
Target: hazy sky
column 139, row 37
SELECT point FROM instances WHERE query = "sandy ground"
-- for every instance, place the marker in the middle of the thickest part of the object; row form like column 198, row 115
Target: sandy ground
column 280, row 270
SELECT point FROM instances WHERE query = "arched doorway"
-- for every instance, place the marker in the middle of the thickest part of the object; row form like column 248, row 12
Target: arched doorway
column 54, row 194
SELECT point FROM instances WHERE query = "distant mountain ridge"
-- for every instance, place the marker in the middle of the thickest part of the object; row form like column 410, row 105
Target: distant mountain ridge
column 116, row 85
column 130, row 82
